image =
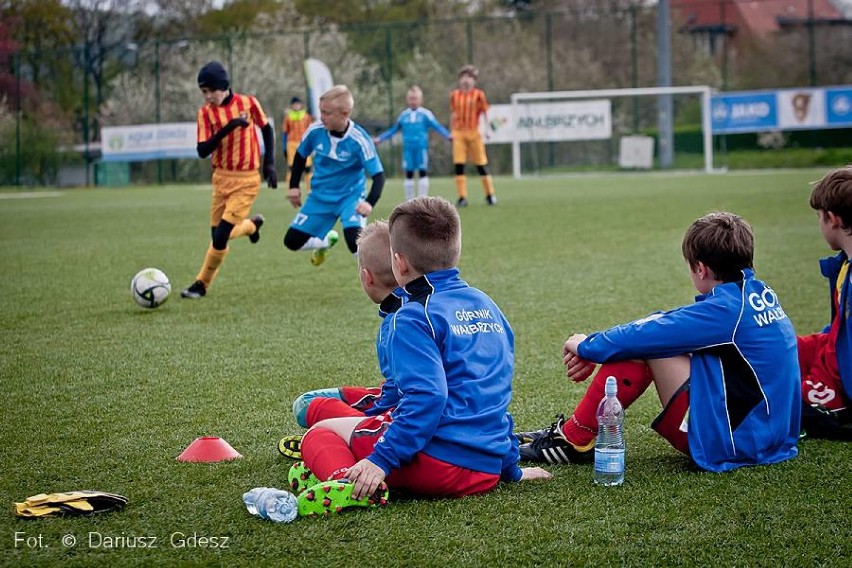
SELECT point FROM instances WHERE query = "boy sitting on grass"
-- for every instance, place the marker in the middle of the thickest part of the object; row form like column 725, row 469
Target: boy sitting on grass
column 725, row 367
column 379, row 283
column 452, row 360
column 826, row 357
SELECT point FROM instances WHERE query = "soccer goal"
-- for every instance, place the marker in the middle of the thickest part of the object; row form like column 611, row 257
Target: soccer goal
column 605, row 130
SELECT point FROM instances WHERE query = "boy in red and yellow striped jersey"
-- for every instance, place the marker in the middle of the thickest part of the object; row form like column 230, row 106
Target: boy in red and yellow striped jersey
column 467, row 105
column 226, row 131
column 296, row 121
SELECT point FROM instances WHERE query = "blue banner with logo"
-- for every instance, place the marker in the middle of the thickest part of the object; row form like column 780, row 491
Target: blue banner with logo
column 838, row 106
column 805, row 108
column 743, row 112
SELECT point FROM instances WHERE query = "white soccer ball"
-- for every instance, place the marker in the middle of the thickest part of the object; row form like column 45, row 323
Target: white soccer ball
column 150, row 287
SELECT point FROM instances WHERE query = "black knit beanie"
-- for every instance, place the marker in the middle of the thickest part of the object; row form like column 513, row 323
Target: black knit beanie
column 214, row 77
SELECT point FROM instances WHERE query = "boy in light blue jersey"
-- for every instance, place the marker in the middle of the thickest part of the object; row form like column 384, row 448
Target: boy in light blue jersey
column 725, row 367
column 415, row 123
column 343, row 152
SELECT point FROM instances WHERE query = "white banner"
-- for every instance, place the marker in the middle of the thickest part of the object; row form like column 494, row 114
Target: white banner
column 550, row 122
column 801, row 108
column 319, row 81
column 148, row 142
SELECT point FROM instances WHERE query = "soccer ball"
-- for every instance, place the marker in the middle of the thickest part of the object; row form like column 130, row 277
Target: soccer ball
column 150, row 287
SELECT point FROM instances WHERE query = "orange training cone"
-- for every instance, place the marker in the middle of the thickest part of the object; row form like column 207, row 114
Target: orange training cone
column 209, row 449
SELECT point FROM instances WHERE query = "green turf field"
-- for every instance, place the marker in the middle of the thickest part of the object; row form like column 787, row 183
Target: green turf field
column 100, row 394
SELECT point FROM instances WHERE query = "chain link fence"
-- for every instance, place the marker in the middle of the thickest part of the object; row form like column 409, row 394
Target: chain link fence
column 60, row 100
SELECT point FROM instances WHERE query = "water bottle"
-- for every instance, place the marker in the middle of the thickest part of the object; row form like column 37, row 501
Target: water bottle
column 609, row 446
column 272, row 504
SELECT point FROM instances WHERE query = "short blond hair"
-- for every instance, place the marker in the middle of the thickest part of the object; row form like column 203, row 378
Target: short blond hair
column 414, row 89
column 374, row 253
column 341, row 96
column 427, row 230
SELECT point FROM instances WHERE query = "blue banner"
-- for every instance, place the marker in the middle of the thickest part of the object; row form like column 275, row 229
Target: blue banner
column 804, row 108
column 838, row 107
column 744, row 112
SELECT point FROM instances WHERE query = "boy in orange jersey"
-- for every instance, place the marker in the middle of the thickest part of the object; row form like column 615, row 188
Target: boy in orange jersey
column 467, row 106
column 296, row 121
column 226, row 131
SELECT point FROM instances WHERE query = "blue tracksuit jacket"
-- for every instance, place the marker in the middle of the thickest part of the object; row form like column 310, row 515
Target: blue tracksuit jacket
column 452, row 359
column 744, row 391
column 390, row 394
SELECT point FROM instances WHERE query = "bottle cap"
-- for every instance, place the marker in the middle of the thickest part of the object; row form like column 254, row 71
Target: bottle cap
column 611, row 387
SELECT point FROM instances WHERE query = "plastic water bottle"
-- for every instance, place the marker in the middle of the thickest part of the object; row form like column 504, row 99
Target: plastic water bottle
column 609, row 446
column 272, row 504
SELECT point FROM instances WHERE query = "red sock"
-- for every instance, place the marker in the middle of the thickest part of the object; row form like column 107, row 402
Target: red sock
column 633, row 378
column 322, row 408
column 326, row 454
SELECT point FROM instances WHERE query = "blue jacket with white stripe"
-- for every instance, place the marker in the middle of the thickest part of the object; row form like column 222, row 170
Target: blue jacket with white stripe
column 452, row 359
column 745, row 391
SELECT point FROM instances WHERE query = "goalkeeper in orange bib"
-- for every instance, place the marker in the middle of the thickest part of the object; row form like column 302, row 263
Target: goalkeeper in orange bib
column 226, row 132
column 467, row 106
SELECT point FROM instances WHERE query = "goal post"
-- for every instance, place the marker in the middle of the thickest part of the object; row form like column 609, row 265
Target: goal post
column 525, row 124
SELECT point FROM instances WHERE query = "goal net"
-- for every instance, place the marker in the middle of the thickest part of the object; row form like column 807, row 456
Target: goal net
column 605, row 130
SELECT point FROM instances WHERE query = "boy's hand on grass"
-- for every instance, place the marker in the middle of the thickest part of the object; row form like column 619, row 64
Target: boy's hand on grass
column 529, row 473
column 366, row 476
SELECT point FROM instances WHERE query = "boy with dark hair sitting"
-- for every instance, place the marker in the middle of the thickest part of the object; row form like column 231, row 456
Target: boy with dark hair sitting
column 725, row 367
column 826, row 357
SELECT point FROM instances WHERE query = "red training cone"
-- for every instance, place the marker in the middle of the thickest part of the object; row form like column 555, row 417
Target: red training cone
column 209, row 449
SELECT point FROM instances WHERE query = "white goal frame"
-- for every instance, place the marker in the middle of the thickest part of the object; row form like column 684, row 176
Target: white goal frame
column 704, row 90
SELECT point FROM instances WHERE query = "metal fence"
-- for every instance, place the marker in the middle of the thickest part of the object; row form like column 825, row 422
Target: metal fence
column 60, row 100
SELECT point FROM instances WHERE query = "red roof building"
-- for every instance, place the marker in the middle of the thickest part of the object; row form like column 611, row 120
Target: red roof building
column 757, row 19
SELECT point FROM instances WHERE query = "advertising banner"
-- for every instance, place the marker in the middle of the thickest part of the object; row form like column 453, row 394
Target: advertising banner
column 806, row 108
column 148, row 142
column 549, row 122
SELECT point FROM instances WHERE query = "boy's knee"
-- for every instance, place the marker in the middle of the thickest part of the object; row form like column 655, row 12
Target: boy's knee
column 295, row 239
column 221, row 234
column 302, row 402
column 350, row 234
column 300, row 409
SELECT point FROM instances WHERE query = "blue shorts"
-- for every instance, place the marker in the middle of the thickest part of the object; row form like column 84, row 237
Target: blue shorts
column 415, row 159
column 319, row 214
